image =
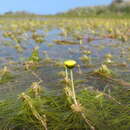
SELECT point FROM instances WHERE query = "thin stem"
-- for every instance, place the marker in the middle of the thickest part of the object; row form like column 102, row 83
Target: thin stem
column 66, row 74
column 73, row 90
column 76, row 103
column 79, row 69
column 88, row 122
column 35, row 113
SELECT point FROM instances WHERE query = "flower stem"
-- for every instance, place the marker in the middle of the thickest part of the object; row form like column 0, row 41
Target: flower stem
column 66, row 74
column 73, row 90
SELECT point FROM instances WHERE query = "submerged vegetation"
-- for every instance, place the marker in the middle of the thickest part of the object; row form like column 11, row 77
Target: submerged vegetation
column 93, row 93
column 88, row 109
column 5, row 75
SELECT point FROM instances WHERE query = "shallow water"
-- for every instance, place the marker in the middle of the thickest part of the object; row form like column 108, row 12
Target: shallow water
column 99, row 47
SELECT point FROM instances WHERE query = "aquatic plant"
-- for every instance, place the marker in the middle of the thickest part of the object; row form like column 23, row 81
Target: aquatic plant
column 65, row 42
column 35, row 55
column 33, row 60
column 50, row 111
column 7, row 34
column 35, row 90
column 108, row 61
column 75, row 105
column 86, row 52
column 79, row 69
column 5, row 75
column 29, row 102
column 104, row 70
column 38, row 38
column 19, row 48
column 85, row 59
column 70, row 64
column 109, row 56
column 37, row 108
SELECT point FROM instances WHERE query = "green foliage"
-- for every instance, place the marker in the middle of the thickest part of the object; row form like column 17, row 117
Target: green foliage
column 35, row 55
column 116, row 9
column 6, row 77
column 103, row 112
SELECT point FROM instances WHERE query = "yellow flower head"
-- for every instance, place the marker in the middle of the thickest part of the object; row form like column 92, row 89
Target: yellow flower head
column 70, row 64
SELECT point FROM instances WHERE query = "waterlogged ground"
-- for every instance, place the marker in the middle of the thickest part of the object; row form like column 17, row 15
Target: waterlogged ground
column 93, row 43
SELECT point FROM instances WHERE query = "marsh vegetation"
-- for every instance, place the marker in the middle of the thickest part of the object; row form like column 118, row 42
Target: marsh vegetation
column 38, row 90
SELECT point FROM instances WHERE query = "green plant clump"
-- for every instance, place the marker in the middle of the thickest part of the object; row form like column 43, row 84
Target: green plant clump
column 5, row 75
column 35, row 55
column 39, row 110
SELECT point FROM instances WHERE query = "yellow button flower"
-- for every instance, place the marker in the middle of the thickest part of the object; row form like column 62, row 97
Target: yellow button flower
column 70, row 64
